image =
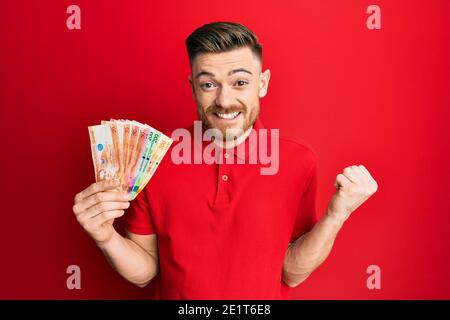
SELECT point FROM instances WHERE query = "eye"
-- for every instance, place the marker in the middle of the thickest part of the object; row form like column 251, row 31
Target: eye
column 241, row 83
column 207, row 85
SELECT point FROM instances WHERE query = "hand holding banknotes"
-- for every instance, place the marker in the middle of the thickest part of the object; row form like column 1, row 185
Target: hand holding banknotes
column 127, row 150
column 125, row 155
column 97, row 206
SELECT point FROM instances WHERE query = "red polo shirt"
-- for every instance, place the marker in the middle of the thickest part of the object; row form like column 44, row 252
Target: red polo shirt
column 223, row 229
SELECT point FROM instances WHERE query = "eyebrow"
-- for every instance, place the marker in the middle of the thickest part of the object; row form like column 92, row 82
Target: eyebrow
column 206, row 73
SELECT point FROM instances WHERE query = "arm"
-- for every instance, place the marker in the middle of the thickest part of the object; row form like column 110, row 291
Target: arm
column 134, row 257
column 310, row 250
column 354, row 186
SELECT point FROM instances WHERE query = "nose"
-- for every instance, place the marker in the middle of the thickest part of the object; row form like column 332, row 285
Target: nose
column 224, row 97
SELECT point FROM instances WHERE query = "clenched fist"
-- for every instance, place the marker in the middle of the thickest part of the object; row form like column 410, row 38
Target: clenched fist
column 353, row 187
column 97, row 206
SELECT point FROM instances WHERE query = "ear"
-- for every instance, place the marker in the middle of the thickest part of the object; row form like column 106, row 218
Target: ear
column 192, row 86
column 264, row 83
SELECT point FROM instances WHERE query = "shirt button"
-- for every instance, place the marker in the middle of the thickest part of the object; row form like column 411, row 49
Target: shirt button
column 224, row 177
column 226, row 155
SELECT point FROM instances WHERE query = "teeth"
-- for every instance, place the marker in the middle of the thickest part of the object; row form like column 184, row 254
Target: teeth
column 227, row 115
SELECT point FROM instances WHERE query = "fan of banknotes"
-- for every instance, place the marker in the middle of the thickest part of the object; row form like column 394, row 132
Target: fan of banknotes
column 128, row 151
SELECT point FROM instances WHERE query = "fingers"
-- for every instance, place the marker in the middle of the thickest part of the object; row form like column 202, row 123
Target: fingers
column 342, row 181
column 86, row 217
column 106, row 216
column 354, row 174
column 99, row 203
column 97, row 187
column 373, row 186
column 356, row 177
column 105, row 206
column 93, row 225
column 111, row 196
column 366, row 172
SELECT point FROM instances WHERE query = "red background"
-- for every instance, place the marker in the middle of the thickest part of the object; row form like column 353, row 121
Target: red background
column 358, row 96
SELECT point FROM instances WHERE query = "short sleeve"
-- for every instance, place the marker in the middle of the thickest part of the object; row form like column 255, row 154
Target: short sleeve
column 138, row 217
column 306, row 215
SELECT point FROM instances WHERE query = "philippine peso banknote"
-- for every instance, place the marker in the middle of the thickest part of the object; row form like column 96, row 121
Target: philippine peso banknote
column 127, row 150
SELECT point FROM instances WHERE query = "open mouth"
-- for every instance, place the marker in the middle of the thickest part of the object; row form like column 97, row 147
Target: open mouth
column 228, row 116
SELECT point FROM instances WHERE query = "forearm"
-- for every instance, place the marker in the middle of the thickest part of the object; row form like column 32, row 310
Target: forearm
column 130, row 260
column 309, row 251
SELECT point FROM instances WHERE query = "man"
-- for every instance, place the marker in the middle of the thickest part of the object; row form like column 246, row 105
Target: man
column 224, row 231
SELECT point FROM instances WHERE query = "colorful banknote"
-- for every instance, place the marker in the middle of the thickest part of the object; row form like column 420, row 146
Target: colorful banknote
column 128, row 151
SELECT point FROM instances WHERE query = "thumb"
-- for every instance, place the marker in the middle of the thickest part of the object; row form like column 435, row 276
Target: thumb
column 341, row 182
column 336, row 185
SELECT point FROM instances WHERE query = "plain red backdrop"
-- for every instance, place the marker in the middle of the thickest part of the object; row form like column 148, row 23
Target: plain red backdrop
column 358, row 96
